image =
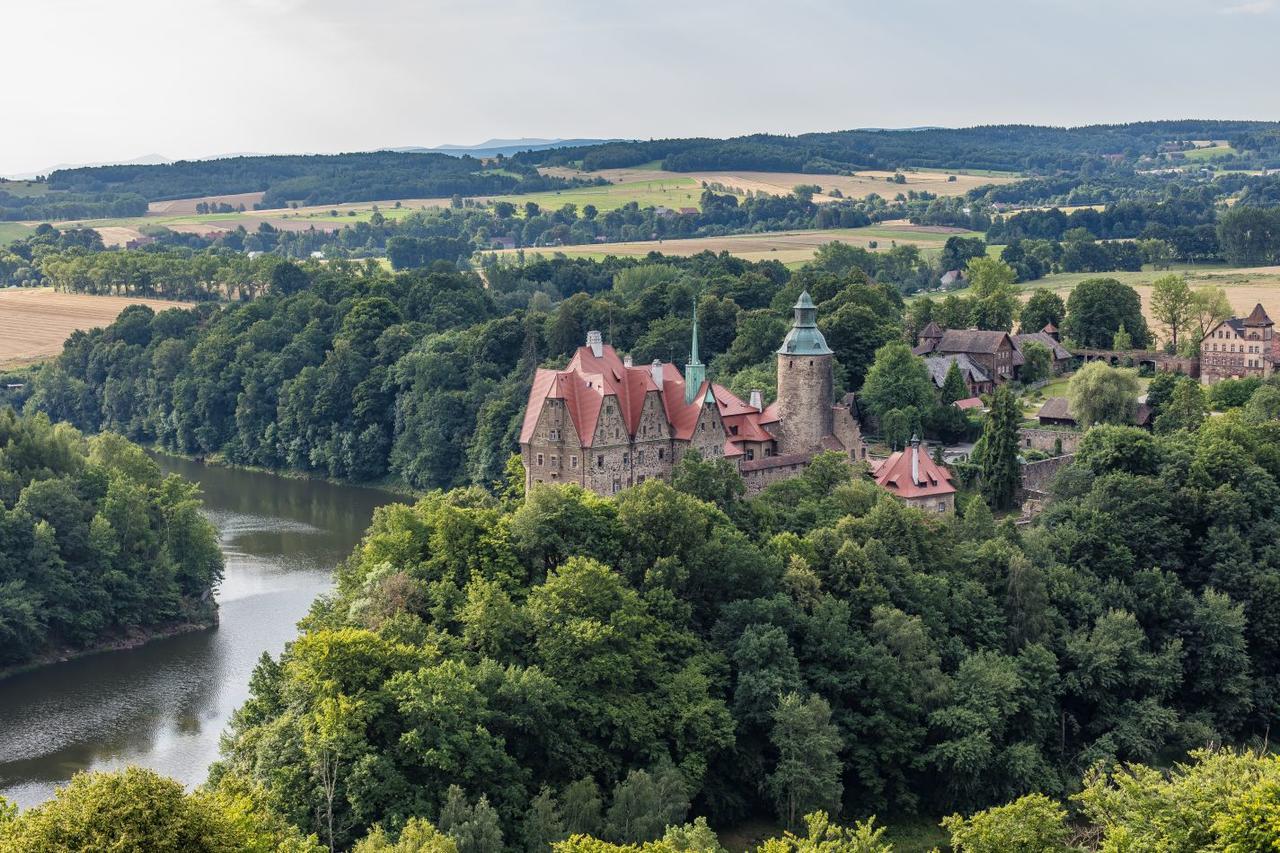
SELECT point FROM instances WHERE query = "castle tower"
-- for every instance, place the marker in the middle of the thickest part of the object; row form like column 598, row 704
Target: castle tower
column 804, row 383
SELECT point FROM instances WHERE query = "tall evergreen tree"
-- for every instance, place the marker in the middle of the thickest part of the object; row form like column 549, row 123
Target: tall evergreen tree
column 1000, row 472
column 953, row 387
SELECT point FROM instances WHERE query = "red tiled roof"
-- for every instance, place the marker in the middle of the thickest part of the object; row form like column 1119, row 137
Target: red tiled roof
column 968, row 403
column 589, row 379
column 894, row 474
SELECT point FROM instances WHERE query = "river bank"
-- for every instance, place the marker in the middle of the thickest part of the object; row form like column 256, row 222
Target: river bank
column 165, row 703
column 120, row 642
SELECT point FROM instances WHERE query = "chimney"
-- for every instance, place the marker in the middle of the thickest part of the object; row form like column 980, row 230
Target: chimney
column 626, row 361
column 655, row 370
column 915, row 460
column 596, row 343
column 757, row 400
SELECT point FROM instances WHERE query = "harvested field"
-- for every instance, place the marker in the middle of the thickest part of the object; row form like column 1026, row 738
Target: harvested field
column 781, row 183
column 35, row 321
column 789, row 247
column 179, row 206
column 1244, row 286
column 117, row 235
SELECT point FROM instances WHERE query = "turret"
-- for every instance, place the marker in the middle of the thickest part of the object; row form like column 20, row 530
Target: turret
column 695, row 372
column 804, row 383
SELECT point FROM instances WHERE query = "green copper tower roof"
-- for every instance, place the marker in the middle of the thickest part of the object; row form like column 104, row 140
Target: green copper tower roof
column 695, row 372
column 804, row 337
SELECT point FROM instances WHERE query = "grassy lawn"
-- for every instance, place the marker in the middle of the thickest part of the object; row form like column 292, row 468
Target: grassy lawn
column 10, row 231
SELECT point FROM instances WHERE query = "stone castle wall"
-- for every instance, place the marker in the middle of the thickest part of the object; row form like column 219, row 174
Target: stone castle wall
column 1035, row 438
column 804, row 402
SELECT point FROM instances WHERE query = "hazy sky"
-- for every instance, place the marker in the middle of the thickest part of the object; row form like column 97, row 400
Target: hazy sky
column 90, row 80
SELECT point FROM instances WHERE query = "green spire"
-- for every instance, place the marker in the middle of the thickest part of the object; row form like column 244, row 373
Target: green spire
column 694, row 371
column 804, row 337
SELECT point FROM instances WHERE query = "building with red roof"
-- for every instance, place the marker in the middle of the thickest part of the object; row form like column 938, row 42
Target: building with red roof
column 605, row 424
column 915, row 479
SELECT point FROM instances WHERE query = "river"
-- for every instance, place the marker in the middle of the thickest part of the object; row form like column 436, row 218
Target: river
column 164, row 705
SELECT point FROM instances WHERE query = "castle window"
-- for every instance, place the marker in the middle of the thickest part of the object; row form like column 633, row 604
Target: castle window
column 733, row 429
column 608, row 410
column 751, row 454
column 617, row 486
column 555, row 461
column 639, row 457
column 573, row 462
column 600, row 461
column 554, row 434
column 626, row 458
column 703, row 426
column 539, row 459
column 640, row 479
column 811, row 362
column 661, row 454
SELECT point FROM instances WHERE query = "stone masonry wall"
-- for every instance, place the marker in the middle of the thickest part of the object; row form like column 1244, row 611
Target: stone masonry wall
column 1033, row 438
column 804, row 402
column 1036, row 476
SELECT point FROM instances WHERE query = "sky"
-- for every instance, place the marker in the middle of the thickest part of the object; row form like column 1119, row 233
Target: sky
column 93, row 81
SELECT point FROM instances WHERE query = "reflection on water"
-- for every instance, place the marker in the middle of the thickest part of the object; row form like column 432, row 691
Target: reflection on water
column 164, row 705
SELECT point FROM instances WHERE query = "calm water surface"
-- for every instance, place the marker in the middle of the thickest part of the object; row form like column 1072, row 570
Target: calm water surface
column 164, row 705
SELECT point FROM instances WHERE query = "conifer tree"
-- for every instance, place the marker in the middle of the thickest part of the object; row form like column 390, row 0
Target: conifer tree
column 1000, row 472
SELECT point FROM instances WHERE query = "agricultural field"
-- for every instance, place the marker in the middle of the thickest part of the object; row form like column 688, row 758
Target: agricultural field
column 188, row 205
column 24, row 189
column 10, row 231
column 35, row 321
column 644, row 180
column 1244, row 286
column 1209, row 150
column 789, row 247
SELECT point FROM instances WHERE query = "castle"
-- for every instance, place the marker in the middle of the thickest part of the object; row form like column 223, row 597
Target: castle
column 605, row 424
column 1239, row 348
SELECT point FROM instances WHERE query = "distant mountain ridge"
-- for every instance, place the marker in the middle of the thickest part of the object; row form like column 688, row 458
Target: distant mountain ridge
column 494, row 147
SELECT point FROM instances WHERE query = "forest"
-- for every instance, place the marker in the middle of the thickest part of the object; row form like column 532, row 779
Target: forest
column 1027, row 148
column 306, row 179
column 519, row 668
column 96, row 545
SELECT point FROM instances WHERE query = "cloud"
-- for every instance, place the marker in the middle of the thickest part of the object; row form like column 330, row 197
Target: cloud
column 1253, row 7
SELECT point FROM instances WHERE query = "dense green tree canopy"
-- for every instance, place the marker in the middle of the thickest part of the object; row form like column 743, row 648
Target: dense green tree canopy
column 94, row 542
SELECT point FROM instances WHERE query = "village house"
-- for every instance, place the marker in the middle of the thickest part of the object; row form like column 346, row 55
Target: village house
column 993, row 352
column 976, row 379
column 605, row 424
column 1056, row 412
column 915, row 479
column 1237, row 348
column 1048, row 337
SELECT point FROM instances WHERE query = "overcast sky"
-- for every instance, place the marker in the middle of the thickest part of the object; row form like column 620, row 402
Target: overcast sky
column 88, row 80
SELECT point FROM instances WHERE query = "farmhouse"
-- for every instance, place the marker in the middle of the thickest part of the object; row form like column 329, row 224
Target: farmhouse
column 605, row 424
column 1238, row 348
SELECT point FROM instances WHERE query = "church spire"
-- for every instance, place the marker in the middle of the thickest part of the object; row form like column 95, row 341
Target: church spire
column 694, row 370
